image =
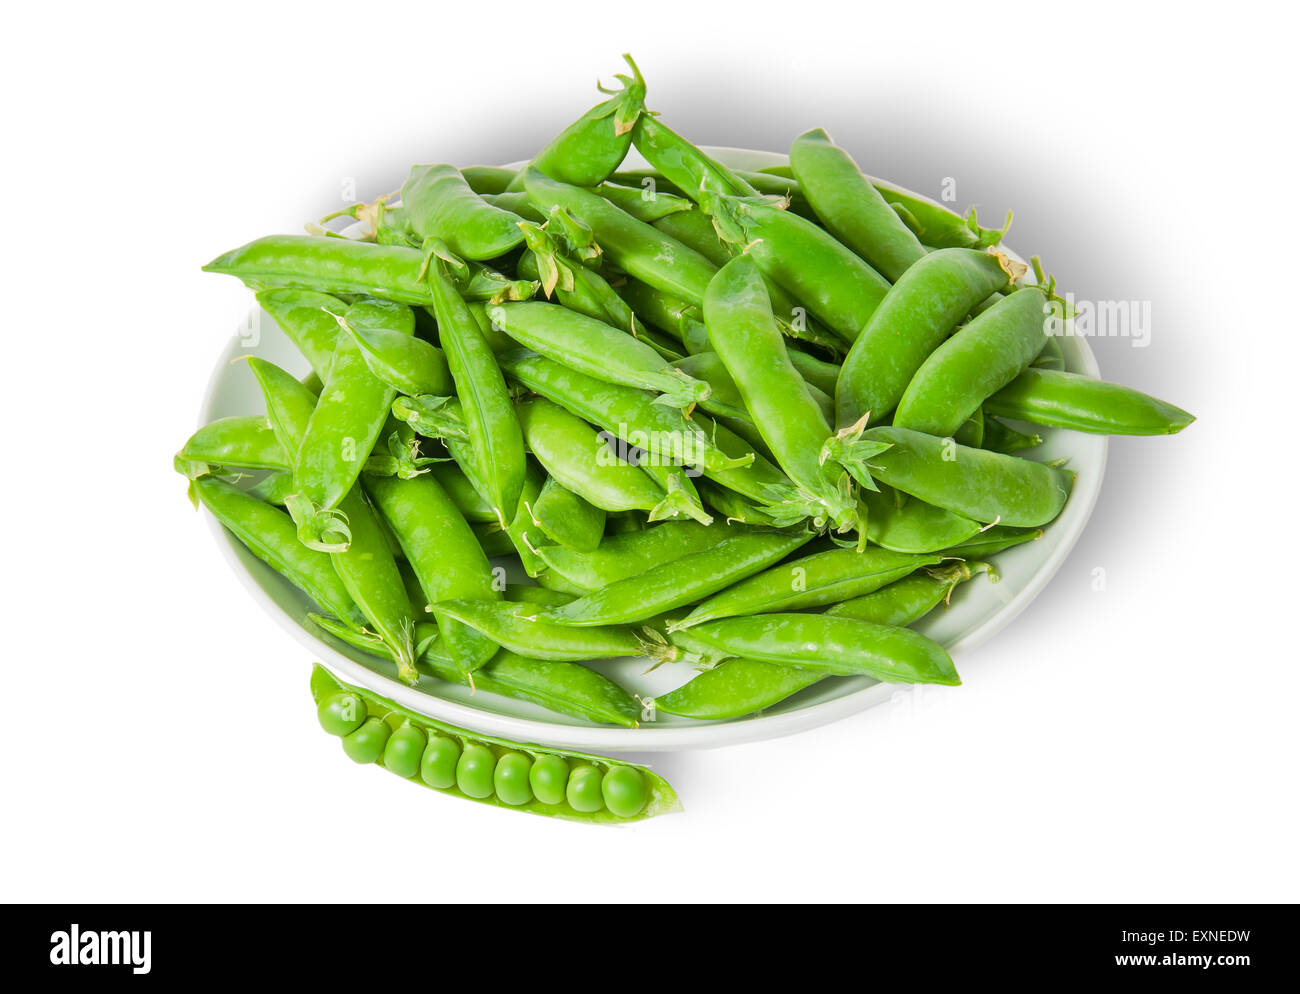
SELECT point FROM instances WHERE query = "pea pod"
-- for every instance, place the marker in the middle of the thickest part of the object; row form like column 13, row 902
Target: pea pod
column 696, row 229
column 596, row 349
column 644, row 204
column 827, row 644
column 837, row 287
column 681, row 581
column 528, row 630
column 440, row 204
column 625, row 791
column 918, row 313
column 637, row 248
column 851, row 208
column 575, row 456
column 1001, row 437
column 986, row 486
column 563, row 687
column 684, row 166
column 270, row 535
column 906, row 524
column 365, row 562
column 240, row 442
column 980, row 359
column 408, row 364
column 308, row 317
column 332, row 265
column 1069, row 400
column 631, row 415
column 567, row 518
column 906, row 600
column 342, row 429
column 672, row 315
column 495, row 438
column 739, row 318
column 444, row 554
column 735, row 688
column 811, row 581
column 619, row 557
column 488, row 180
column 591, row 148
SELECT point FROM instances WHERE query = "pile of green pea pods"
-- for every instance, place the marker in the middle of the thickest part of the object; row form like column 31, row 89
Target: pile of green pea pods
column 756, row 422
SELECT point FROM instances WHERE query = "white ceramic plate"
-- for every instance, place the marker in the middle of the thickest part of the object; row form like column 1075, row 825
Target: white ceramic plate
column 979, row 609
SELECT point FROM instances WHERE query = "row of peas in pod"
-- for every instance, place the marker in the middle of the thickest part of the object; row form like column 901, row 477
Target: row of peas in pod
column 756, row 422
column 466, row 764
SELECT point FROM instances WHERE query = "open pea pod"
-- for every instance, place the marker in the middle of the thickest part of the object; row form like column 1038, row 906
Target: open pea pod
column 456, row 761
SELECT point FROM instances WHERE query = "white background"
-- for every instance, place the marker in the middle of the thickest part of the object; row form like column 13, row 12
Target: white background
column 1135, row 743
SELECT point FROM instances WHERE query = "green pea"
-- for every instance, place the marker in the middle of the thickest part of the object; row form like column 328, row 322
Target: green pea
column 583, row 793
column 366, row 744
column 438, row 765
column 341, row 713
column 404, row 749
column 548, row 779
column 474, row 770
column 624, row 791
column 511, row 779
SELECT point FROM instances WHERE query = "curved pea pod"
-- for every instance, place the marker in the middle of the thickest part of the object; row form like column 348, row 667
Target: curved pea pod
column 240, row 442
column 851, row 208
column 1068, row 400
column 528, row 630
column 682, row 320
column 907, row 600
column 443, row 552
column 1001, row 437
column 836, row 287
column 695, row 229
column 683, row 164
column 986, row 486
column 978, row 360
column 408, row 364
column 580, row 460
column 439, row 204
column 630, row 554
column 517, row 776
column 1052, row 357
column 636, row 248
column 596, row 349
column 358, row 543
column 915, row 316
column 270, row 535
column 344, row 426
column 563, row 687
column 568, row 519
column 811, row 581
column 735, row 688
column 826, row 644
column 332, row 265
column 472, row 505
column 592, row 147
column 495, row 438
column 992, row 540
column 708, row 366
column 644, row 203
column 488, row 180
column 632, row 416
column 681, row 581
column 516, row 202
column 308, row 317
column 935, row 225
column 906, row 524
column 738, row 314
